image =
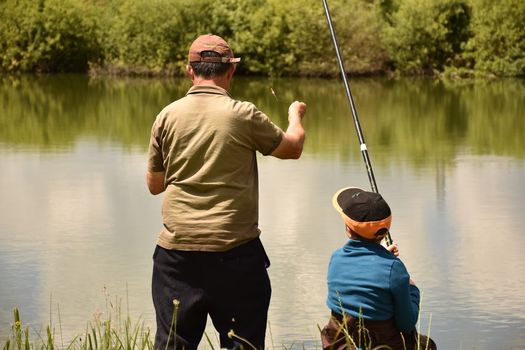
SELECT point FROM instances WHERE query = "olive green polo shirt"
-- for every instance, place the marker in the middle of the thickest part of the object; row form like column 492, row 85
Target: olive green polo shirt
column 206, row 142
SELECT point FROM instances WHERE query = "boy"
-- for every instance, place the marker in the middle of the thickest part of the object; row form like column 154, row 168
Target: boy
column 372, row 298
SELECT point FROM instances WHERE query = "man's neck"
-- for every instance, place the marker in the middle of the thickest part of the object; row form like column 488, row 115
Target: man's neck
column 217, row 81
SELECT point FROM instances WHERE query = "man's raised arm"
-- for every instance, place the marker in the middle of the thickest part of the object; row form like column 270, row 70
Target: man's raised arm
column 291, row 146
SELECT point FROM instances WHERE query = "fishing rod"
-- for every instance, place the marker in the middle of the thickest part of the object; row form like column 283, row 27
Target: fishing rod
column 364, row 150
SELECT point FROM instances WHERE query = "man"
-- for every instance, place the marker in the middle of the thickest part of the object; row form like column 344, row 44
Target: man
column 202, row 155
column 373, row 300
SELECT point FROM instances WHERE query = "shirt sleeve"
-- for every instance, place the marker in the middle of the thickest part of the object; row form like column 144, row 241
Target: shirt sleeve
column 266, row 136
column 405, row 297
column 155, row 160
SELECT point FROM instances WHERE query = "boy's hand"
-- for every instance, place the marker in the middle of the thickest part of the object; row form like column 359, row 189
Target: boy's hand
column 393, row 249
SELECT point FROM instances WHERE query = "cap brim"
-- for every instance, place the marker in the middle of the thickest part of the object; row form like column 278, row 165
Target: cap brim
column 337, row 196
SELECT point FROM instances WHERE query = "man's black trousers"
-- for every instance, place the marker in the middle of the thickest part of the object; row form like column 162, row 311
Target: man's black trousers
column 232, row 287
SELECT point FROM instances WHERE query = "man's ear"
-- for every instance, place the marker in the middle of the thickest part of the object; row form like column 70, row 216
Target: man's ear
column 189, row 71
column 231, row 71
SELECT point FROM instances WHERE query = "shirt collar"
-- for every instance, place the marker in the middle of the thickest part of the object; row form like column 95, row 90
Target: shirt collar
column 360, row 243
column 207, row 89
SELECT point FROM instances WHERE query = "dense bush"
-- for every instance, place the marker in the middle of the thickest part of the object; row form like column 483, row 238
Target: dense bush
column 273, row 37
column 499, row 44
column 47, row 36
column 358, row 25
column 258, row 30
column 153, row 34
column 279, row 37
column 426, row 36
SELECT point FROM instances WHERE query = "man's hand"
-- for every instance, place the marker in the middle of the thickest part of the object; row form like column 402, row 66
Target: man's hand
column 296, row 110
column 291, row 146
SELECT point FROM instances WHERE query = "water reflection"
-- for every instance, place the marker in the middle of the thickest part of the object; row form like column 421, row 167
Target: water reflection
column 75, row 216
column 421, row 118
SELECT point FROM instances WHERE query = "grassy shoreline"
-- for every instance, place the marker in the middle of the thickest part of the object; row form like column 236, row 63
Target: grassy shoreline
column 114, row 332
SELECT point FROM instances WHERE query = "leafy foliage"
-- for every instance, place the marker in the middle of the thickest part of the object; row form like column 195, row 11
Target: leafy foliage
column 47, row 36
column 499, row 44
column 428, row 36
column 273, row 37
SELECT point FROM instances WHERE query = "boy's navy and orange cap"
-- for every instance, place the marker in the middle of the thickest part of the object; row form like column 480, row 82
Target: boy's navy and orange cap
column 210, row 42
column 366, row 213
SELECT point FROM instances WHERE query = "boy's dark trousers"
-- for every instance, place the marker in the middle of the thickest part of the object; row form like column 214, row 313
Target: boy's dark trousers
column 232, row 287
column 350, row 333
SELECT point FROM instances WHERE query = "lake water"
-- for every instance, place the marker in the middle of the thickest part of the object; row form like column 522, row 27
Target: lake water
column 78, row 226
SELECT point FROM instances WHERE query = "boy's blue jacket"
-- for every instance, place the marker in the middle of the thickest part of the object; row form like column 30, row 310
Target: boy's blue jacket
column 365, row 279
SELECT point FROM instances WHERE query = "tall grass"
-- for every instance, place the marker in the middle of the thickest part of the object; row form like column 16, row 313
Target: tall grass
column 117, row 333
column 108, row 334
column 113, row 332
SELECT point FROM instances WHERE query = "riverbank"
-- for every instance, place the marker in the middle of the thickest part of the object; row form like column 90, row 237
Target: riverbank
column 114, row 332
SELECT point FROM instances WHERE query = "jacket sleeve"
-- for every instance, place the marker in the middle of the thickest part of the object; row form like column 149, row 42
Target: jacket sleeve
column 405, row 297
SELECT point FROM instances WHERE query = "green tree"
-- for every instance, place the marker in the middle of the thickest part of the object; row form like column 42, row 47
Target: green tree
column 498, row 46
column 47, row 36
column 292, row 38
column 146, row 35
column 426, row 37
